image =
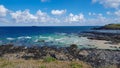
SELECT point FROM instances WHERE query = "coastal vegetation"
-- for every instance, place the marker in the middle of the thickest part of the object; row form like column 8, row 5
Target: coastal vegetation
column 110, row 26
column 49, row 59
column 21, row 63
column 76, row 65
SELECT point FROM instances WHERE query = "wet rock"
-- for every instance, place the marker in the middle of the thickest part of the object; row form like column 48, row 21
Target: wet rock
column 41, row 41
column 73, row 46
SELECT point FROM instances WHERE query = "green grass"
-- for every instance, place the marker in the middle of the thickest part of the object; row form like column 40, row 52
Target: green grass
column 114, row 26
column 49, row 59
column 21, row 63
column 76, row 65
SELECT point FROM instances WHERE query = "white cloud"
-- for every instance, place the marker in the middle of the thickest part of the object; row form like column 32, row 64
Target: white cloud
column 117, row 13
column 75, row 18
column 58, row 12
column 4, row 20
column 98, row 19
column 40, row 18
column 44, row 17
column 3, row 11
column 114, row 14
column 24, row 16
column 40, row 13
column 27, row 17
column 109, row 3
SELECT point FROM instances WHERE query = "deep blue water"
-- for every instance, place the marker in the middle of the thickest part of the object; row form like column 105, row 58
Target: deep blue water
column 30, row 31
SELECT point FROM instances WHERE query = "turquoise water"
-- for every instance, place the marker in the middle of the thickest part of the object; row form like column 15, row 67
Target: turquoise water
column 49, row 36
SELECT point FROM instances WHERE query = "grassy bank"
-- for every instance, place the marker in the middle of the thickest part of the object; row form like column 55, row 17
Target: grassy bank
column 45, row 63
column 113, row 26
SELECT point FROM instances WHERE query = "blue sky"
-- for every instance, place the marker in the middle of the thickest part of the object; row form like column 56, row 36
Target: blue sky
column 59, row 12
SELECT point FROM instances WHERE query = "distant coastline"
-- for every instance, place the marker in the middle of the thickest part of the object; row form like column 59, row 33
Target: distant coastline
column 109, row 27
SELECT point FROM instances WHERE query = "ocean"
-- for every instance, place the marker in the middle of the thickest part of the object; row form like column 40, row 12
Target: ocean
column 43, row 36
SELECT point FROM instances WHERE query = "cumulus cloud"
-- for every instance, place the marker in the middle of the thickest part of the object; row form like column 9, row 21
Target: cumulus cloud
column 40, row 17
column 44, row 17
column 24, row 16
column 109, row 3
column 75, row 18
column 58, row 12
column 3, row 11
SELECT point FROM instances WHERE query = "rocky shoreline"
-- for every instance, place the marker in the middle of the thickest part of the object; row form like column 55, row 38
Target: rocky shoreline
column 96, row 57
column 114, row 38
column 109, row 27
column 110, row 32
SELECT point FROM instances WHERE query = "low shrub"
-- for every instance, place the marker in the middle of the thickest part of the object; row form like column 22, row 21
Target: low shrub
column 76, row 65
column 49, row 59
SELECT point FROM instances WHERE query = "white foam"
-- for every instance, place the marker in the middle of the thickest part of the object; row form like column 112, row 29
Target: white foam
column 24, row 37
column 43, row 37
column 20, row 37
column 36, row 40
column 10, row 39
column 50, row 38
column 28, row 37
column 62, row 33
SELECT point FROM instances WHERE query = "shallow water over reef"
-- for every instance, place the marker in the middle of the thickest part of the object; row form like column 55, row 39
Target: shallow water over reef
column 29, row 36
column 59, row 40
column 60, row 36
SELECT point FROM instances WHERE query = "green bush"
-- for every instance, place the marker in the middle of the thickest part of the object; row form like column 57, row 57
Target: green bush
column 76, row 65
column 49, row 59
